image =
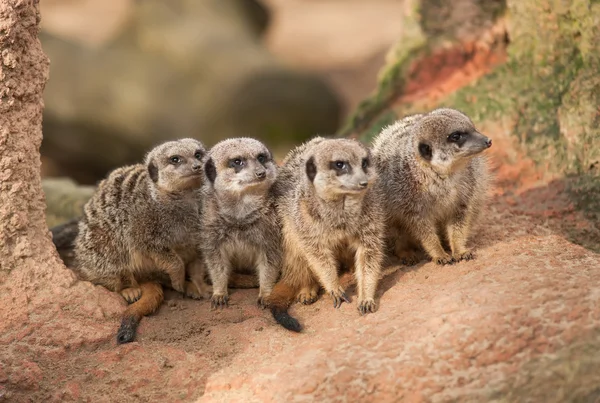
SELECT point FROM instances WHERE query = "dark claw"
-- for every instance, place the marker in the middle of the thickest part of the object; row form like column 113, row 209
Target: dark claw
column 338, row 299
column 307, row 300
column 219, row 302
column 262, row 303
column 366, row 307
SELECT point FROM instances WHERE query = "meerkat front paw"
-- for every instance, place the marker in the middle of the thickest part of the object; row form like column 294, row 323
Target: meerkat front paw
column 308, row 295
column 339, row 296
column 192, row 291
column 443, row 260
column 367, row 305
column 219, row 301
column 468, row 255
column 261, row 301
column 131, row 294
column 408, row 258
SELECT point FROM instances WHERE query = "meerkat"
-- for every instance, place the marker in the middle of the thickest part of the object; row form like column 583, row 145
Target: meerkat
column 434, row 179
column 332, row 216
column 144, row 219
column 240, row 226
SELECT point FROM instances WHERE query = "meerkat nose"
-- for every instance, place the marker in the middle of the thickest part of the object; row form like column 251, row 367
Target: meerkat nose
column 261, row 174
column 488, row 143
column 196, row 167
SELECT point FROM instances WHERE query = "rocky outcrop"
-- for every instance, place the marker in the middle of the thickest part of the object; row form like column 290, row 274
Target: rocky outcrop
column 530, row 63
column 176, row 69
column 23, row 74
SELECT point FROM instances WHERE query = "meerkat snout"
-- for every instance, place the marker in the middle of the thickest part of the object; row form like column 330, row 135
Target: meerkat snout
column 470, row 142
column 260, row 173
column 196, row 167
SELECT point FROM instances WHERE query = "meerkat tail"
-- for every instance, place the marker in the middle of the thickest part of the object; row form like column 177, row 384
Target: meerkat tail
column 279, row 301
column 152, row 297
column 63, row 237
column 239, row 280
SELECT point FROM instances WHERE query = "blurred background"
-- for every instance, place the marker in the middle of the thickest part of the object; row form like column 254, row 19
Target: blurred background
column 126, row 75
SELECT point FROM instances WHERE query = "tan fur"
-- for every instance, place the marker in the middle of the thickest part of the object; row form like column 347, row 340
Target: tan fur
column 240, row 227
column 434, row 184
column 328, row 219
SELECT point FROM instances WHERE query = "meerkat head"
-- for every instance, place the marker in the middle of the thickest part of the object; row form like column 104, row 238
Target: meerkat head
column 446, row 139
column 176, row 166
column 338, row 167
column 240, row 165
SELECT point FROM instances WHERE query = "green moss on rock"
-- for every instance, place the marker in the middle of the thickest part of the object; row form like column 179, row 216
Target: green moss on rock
column 428, row 25
column 549, row 84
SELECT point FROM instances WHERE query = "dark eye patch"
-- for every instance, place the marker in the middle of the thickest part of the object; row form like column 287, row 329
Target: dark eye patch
column 425, row 151
column 340, row 167
column 198, row 154
column 175, row 159
column 236, row 163
column 262, row 158
column 458, row 137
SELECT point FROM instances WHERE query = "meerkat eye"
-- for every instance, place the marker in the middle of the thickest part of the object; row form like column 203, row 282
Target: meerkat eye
column 425, row 151
column 455, row 137
column 236, row 162
column 365, row 163
column 340, row 164
column 262, row 158
column 175, row 159
column 198, row 155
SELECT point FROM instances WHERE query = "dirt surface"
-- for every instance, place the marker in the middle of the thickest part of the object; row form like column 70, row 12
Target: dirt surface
column 440, row 332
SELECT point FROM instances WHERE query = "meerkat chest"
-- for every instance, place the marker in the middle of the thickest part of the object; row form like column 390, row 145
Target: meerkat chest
column 444, row 198
column 187, row 252
column 241, row 254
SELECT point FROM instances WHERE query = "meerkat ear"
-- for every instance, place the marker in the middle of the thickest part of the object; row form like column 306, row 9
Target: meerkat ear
column 210, row 170
column 153, row 171
column 311, row 169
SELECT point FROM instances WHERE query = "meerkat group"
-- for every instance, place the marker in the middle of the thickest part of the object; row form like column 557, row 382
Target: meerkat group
column 232, row 217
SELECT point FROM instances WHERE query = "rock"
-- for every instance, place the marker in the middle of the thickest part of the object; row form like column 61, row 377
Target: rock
column 464, row 333
column 177, row 69
column 527, row 62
